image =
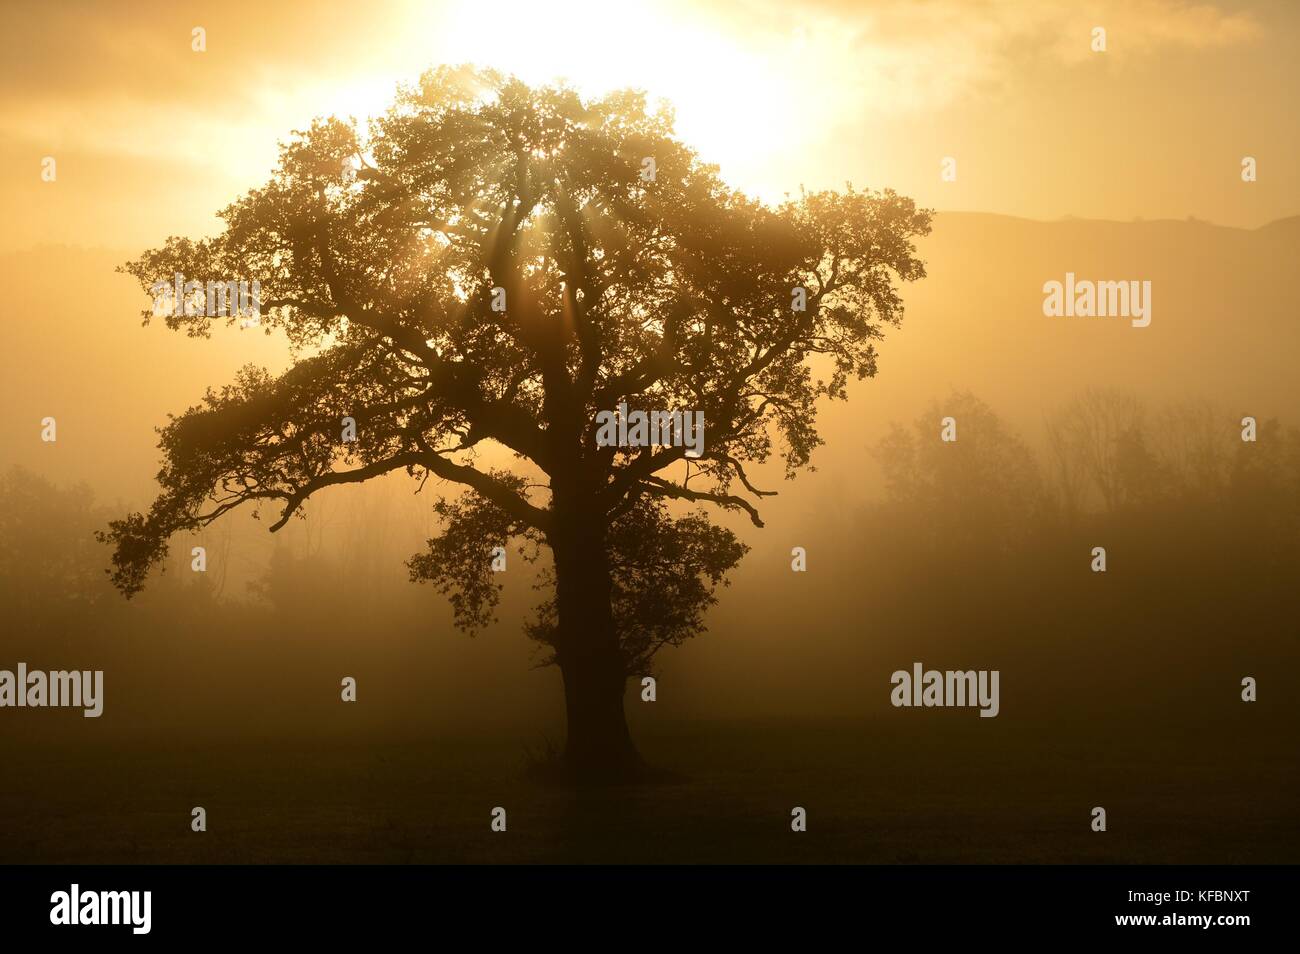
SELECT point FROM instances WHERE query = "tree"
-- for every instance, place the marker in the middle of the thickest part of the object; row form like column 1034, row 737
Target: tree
column 49, row 570
column 381, row 254
column 1096, row 440
column 982, row 492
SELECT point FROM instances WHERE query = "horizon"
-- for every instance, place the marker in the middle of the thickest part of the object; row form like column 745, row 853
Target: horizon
column 1066, row 219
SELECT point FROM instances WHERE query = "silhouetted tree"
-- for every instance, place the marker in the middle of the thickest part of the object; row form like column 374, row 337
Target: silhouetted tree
column 1092, row 440
column 379, row 251
column 49, row 563
column 1194, row 441
column 981, row 491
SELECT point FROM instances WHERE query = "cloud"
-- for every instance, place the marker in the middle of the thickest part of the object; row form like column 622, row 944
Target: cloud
column 906, row 55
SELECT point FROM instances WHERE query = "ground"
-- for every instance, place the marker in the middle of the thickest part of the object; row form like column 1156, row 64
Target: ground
column 960, row 790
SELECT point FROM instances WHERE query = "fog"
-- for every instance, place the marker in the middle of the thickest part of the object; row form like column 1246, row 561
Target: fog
column 970, row 554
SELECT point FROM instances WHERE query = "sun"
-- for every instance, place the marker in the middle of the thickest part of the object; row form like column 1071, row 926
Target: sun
column 724, row 93
column 737, row 100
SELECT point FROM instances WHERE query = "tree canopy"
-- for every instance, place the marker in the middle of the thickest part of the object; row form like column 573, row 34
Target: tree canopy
column 378, row 249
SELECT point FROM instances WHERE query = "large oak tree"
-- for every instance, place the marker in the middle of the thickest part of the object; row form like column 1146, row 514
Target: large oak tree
column 378, row 250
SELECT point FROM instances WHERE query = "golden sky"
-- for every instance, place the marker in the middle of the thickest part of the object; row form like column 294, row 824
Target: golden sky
column 152, row 138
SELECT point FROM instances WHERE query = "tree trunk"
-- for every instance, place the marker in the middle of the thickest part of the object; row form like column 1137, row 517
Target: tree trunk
column 598, row 746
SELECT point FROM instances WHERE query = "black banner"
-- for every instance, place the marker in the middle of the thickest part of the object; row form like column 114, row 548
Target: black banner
column 794, row 903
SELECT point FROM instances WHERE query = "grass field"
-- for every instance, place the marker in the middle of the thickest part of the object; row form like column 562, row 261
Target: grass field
column 963, row 791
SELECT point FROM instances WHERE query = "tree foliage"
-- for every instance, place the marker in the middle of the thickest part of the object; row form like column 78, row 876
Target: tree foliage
column 378, row 250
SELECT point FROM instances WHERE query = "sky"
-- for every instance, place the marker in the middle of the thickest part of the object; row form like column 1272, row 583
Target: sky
column 151, row 138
